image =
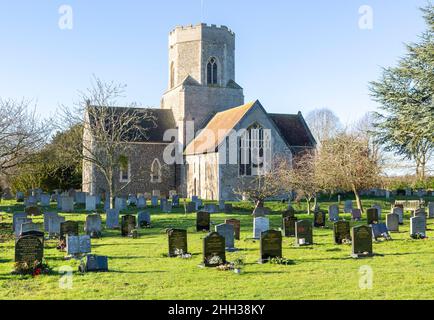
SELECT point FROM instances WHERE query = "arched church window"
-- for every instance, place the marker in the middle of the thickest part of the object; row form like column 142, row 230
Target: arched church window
column 172, row 75
column 156, row 171
column 255, row 151
column 212, row 71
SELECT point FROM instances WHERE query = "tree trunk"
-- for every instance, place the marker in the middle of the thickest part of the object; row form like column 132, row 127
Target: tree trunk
column 308, row 206
column 358, row 200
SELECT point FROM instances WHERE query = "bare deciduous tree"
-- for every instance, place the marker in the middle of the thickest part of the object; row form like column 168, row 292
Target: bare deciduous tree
column 324, row 124
column 107, row 131
column 21, row 134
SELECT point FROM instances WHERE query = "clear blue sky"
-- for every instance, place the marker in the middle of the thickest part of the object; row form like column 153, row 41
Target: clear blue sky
column 291, row 55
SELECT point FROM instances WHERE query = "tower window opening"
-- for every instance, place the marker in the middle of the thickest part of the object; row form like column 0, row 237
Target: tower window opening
column 212, row 71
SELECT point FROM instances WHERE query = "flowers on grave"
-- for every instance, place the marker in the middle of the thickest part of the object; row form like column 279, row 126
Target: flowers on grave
column 418, row 236
column 36, row 269
column 215, row 260
column 180, row 254
column 281, row 261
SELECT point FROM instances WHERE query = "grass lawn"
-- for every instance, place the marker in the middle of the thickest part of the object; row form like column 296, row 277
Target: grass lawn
column 139, row 269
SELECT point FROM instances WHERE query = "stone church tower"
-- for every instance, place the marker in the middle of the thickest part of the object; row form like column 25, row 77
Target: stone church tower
column 201, row 76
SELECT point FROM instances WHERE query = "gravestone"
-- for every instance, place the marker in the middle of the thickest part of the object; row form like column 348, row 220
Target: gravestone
column 260, row 224
column 68, row 228
column 361, row 238
column 214, row 253
column 54, row 225
column 379, row 210
column 15, row 217
column 356, row 214
column 222, row 205
column 163, row 202
column 271, row 245
column 392, row 222
column 303, row 233
column 334, row 213
column 80, row 198
column 237, row 227
column 90, row 203
column 379, row 230
column 18, row 223
column 372, row 215
column 94, row 263
column 47, row 216
column 33, row 211
column 141, row 203
column 31, row 226
column 120, row 204
column 29, row 250
column 199, row 204
column 194, row 198
column 78, row 245
column 290, row 212
column 341, row 232
column 93, row 226
column 144, row 219
column 203, row 221
column 227, row 231
column 400, row 212
column 348, row 207
column 66, row 204
column 319, row 219
column 211, row 208
column 31, row 201
column 156, row 193
column 19, row 196
column 112, row 219
column 418, row 227
column 431, row 210
column 167, row 207
column 419, row 213
column 132, row 201
column 45, row 200
column 288, row 229
column 154, row 201
column 177, row 242
column 128, row 225
column 175, row 201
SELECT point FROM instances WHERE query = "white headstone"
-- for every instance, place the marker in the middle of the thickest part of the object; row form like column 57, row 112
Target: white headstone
column 260, row 225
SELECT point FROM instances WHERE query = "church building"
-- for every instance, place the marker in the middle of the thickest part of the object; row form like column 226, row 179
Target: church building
column 221, row 137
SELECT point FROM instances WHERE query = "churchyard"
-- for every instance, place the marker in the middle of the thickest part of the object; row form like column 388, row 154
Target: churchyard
column 139, row 266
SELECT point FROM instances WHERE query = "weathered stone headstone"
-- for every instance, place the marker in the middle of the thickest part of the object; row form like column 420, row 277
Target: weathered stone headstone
column 141, row 203
column 66, row 204
column 177, row 242
column 112, row 219
column 29, row 250
column 80, row 197
column 361, row 242
column 167, row 207
column 379, row 210
column 237, row 227
column 372, row 215
column 392, row 222
column 120, row 204
column 93, row 226
column 132, row 200
column 31, row 201
column 379, row 230
column 144, row 219
column 400, row 212
column 290, row 212
column 54, row 223
column 175, row 201
column 199, row 204
column 19, row 196
column 418, row 227
column 288, row 229
column 260, row 224
column 356, row 214
column 191, row 207
column 68, row 228
column 15, row 217
column 45, row 200
column 348, row 207
column 78, row 245
column 47, row 216
column 31, row 226
column 431, row 210
column 271, row 245
column 228, row 208
column 214, row 250
column 203, row 221
column 341, row 232
column 419, row 212
column 154, row 201
column 211, row 208
column 163, row 202
column 128, row 225
column 18, row 223
column 228, row 232
column 303, row 233
column 334, row 212
column 222, row 204
column 319, row 219
column 90, row 203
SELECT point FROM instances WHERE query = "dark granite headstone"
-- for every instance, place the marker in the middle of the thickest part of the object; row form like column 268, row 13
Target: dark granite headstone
column 203, row 220
column 303, row 233
column 319, row 219
column 33, row 211
column 372, row 215
column 288, row 229
column 128, row 225
column 356, row 214
column 94, row 263
column 290, row 213
column 361, row 242
column 68, row 228
column 214, row 253
column 29, row 249
column 271, row 245
column 177, row 242
column 341, row 231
